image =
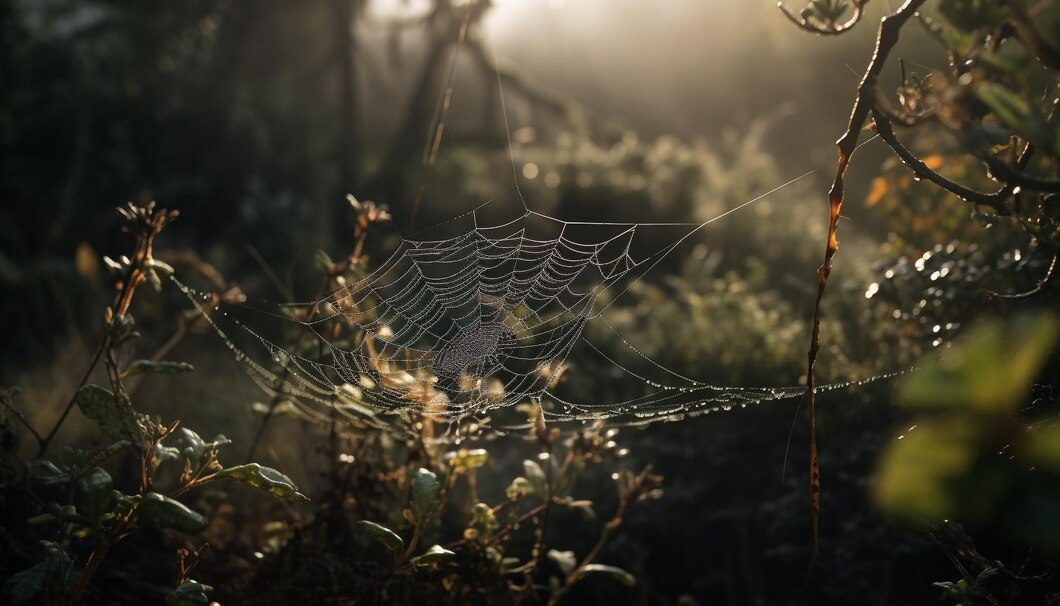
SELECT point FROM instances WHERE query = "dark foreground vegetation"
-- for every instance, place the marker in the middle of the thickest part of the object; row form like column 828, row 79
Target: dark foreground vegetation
column 140, row 464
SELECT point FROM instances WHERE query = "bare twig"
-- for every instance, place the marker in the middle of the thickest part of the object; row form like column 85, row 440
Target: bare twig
column 995, row 200
column 73, row 398
column 1021, row 21
column 1029, row 293
column 1014, row 177
column 144, row 223
column 439, row 128
column 886, row 38
column 6, row 401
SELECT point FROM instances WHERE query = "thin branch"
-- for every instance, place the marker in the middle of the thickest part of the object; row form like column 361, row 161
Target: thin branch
column 886, row 38
column 993, row 200
column 513, row 80
column 73, row 398
column 5, row 399
column 1030, row 293
column 1021, row 22
column 1014, row 177
column 439, row 128
column 144, row 223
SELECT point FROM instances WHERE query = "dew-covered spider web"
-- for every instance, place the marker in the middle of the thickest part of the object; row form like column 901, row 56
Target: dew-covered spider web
column 470, row 317
column 479, row 314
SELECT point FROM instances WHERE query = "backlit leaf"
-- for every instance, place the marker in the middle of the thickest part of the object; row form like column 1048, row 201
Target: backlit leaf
column 618, row 574
column 434, row 555
column 384, row 535
column 163, row 512
column 423, row 496
column 116, row 418
column 265, row 478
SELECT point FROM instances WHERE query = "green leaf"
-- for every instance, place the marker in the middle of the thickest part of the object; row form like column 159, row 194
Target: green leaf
column 1009, row 59
column 463, row 460
column 165, row 454
column 323, row 262
column 161, row 266
column 518, row 488
column 122, row 328
column 973, row 14
column 67, row 513
column 163, row 512
column 95, row 494
column 384, row 535
column 48, row 473
column 618, row 574
column 189, row 594
column 536, row 477
column 1009, row 107
column 423, row 496
column 436, row 554
column 919, row 474
column 566, row 560
column 115, row 418
column 484, row 520
column 193, row 445
column 140, row 367
column 265, row 478
column 952, row 38
column 219, row 440
column 279, row 409
column 970, row 377
column 44, row 518
column 46, row 582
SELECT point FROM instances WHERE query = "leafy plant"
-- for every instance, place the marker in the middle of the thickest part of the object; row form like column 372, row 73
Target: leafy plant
column 81, row 502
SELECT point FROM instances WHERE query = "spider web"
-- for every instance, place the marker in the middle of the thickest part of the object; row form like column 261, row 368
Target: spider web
column 458, row 326
column 472, row 317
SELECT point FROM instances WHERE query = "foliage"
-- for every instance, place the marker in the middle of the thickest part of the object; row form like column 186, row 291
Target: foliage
column 968, row 449
column 972, row 457
column 986, row 137
column 174, row 462
column 80, row 504
column 401, row 515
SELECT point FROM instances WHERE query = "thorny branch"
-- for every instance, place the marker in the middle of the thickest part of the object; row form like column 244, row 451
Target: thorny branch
column 886, row 38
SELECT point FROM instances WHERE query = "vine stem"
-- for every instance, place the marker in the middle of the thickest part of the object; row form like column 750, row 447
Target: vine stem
column 91, row 567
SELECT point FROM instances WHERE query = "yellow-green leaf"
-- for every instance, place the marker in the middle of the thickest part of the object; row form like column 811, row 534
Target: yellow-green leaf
column 434, row 555
column 265, row 478
column 618, row 574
